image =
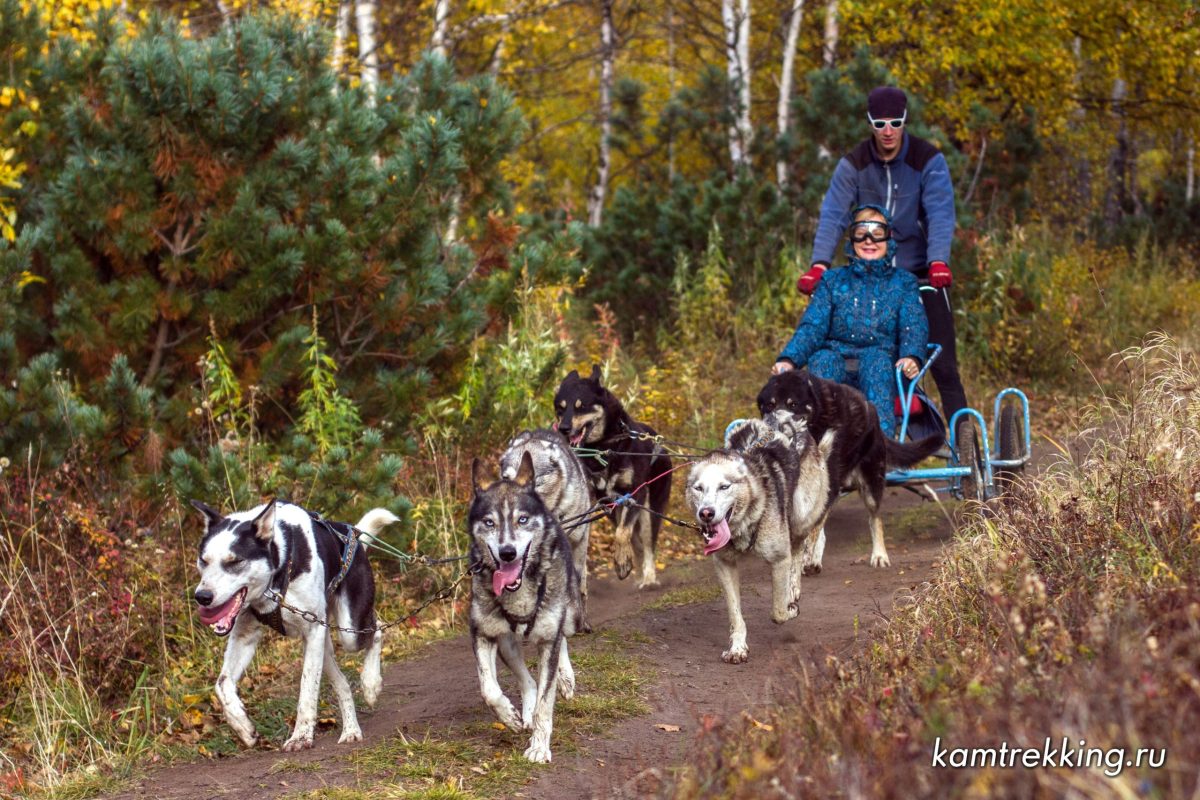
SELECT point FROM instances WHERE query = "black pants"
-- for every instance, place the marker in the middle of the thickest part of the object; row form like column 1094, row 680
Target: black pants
column 945, row 369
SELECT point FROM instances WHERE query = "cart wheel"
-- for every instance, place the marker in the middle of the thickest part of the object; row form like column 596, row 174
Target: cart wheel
column 1010, row 448
column 966, row 440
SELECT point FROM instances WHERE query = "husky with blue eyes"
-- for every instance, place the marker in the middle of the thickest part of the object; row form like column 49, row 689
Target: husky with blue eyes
column 524, row 590
column 316, row 566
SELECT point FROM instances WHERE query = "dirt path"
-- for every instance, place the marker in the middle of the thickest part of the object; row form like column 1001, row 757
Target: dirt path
column 679, row 646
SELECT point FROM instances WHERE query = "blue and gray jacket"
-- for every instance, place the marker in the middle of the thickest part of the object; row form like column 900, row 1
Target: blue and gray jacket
column 863, row 305
column 914, row 187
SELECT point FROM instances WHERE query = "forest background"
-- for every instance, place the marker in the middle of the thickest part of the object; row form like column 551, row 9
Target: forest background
column 328, row 250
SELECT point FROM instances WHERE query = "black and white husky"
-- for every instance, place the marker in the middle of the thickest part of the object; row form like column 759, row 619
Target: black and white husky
column 286, row 549
column 589, row 415
column 562, row 483
column 524, row 590
column 764, row 494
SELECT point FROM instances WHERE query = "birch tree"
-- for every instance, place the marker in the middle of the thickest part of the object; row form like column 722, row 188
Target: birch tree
column 829, row 52
column 441, row 25
column 1190, row 192
column 786, row 80
column 607, row 51
column 341, row 31
column 364, row 16
column 736, row 19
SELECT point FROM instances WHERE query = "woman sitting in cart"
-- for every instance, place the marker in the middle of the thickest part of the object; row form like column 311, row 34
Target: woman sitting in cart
column 867, row 310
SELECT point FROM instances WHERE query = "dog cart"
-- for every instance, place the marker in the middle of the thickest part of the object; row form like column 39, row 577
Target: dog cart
column 982, row 461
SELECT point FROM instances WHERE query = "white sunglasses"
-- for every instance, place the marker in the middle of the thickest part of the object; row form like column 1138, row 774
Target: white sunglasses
column 880, row 124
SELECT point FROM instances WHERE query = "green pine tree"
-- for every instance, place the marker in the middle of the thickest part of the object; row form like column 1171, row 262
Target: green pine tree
column 224, row 179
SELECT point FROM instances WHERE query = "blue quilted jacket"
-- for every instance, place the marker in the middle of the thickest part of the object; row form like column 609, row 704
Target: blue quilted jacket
column 862, row 305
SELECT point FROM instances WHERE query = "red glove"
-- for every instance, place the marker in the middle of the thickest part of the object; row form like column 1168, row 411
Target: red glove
column 807, row 283
column 940, row 275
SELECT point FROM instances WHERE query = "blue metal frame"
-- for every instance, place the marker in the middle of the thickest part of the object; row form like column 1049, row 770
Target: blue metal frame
column 955, row 473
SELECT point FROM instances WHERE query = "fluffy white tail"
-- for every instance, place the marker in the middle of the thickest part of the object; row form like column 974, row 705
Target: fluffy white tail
column 373, row 522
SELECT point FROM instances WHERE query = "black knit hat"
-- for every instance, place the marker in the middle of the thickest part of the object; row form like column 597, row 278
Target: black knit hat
column 886, row 102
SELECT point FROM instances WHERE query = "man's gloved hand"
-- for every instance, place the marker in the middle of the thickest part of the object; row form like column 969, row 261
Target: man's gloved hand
column 807, row 283
column 940, row 275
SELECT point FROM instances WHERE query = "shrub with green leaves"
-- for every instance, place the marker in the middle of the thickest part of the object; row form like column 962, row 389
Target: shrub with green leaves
column 1037, row 307
column 329, row 463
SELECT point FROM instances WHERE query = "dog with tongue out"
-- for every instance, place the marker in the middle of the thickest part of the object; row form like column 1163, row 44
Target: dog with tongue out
column 763, row 494
column 524, row 590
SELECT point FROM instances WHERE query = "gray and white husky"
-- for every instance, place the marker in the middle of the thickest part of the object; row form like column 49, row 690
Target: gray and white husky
column 283, row 547
column 524, row 590
column 763, row 494
column 562, row 483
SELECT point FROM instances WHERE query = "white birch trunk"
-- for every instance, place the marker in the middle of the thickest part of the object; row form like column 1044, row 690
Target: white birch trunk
column 607, row 51
column 341, row 30
column 831, row 33
column 1190, row 191
column 364, row 17
column 671, row 86
column 1118, row 161
column 497, row 62
column 785, row 83
column 829, row 55
column 441, row 23
column 737, row 55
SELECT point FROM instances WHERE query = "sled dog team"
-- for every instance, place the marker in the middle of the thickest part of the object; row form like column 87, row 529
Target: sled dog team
column 767, row 492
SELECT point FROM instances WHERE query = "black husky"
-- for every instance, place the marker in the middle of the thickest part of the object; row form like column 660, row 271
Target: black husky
column 861, row 451
column 590, row 416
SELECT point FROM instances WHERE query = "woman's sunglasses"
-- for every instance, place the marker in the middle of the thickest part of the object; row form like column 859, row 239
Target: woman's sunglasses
column 880, row 124
column 869, row 229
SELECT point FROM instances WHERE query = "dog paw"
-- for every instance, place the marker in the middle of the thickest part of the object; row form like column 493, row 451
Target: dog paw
column 538, row 753
column 880, row 560
column 790, row 612
column 648, row 583
column 736, row 655
column 584, row 626
column 508, row 715
column 566, row 686
column 298, row 741
column 249, row 741
column 623, row 570
column 811, row 569
column 350, row 735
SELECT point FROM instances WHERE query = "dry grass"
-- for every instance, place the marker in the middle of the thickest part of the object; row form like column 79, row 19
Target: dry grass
column 103, row 663
column 1071, row 611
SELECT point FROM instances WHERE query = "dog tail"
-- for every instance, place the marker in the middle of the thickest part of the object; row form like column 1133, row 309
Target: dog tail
column 905, row 454
column 825, row 446
column 373, row 522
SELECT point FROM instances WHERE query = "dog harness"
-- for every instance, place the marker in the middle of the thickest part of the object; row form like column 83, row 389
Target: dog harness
column 348, row 536
column 274, row 619
column 343, row 532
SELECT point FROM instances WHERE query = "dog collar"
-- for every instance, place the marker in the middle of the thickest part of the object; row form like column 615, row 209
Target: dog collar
column 274, row 618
